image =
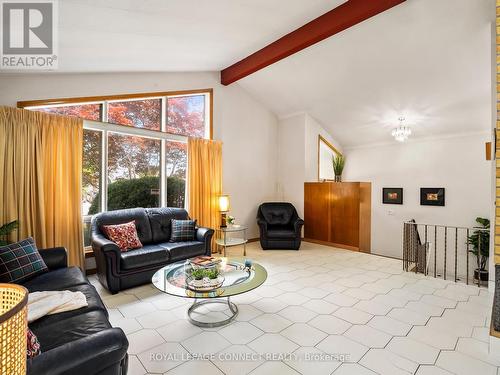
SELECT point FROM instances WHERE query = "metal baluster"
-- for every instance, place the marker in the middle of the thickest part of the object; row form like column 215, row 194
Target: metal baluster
column 405, row 247
column 414, row 234
column 478, row 255
column 425, row 245
column 456, row 255
column 435, row 251
column 467, row 258
column 445, row 248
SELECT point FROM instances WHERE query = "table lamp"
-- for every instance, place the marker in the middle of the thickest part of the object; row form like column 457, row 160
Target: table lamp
column 13, row 326
column 224, row 209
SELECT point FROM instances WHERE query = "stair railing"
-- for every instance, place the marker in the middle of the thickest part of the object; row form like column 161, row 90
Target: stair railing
column 441, row 251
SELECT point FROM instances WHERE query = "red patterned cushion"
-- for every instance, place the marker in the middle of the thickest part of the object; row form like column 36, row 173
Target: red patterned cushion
column 33, row 348
column 124, row 235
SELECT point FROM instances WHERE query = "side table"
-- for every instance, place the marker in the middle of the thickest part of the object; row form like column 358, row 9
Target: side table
column 232, row 235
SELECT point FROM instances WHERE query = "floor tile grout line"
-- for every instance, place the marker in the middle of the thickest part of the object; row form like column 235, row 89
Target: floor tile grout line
column 389, row 275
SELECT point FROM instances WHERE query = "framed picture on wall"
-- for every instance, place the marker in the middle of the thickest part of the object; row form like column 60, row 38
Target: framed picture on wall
column 432, row 197
column 392, row 195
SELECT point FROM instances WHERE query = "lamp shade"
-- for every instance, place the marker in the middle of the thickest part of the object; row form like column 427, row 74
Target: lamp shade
column 13, row 326
column 224, row 203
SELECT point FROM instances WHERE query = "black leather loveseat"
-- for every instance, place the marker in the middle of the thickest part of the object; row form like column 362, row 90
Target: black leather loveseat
column 78, row 342
column 121, row 270
column 280, row 226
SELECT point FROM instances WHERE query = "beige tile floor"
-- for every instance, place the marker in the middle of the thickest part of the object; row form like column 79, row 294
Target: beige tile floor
column 321, row 311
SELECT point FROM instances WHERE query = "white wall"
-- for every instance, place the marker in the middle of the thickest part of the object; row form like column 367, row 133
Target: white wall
column 457, row 163
column 313, row 130
column 247, row 129
column 298, row 156
column 291, row 162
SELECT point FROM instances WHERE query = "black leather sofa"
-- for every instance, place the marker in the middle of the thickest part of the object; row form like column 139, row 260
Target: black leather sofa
column 119, row 270
column 280, row 226
column 78, row 342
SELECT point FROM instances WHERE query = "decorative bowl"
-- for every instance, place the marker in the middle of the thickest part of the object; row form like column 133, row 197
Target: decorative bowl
column 204, row 285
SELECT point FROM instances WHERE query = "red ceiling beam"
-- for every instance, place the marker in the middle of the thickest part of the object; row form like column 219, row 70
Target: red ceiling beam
column 338, row 19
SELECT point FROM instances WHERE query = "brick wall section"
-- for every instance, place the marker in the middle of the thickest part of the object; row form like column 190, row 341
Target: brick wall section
column 497, row 151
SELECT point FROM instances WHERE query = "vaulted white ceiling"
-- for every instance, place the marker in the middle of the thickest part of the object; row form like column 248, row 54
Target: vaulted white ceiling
column 429, row 60
column 174, row 35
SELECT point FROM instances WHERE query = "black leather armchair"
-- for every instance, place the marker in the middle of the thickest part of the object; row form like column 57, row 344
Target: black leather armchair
column 280, row 226
column 119, row 270
column 77, row 342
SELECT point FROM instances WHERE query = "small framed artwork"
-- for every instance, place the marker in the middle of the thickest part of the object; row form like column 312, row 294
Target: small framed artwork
column 392, row 195
column 432, row 197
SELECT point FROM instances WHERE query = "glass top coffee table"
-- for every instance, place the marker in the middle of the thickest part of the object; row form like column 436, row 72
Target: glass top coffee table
column 238, row 279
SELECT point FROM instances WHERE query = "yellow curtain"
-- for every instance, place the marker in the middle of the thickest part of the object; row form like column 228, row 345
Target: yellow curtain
column 204, row 181
column 41, row 178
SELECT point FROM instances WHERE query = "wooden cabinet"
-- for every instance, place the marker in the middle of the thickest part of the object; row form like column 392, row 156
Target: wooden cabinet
column 338, row 214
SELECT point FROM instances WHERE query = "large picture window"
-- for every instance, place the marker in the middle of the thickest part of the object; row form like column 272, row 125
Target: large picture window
column 134, row 148
column 133, row 172
column 176, row 167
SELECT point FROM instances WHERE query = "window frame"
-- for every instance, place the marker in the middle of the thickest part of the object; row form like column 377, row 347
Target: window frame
column 103, row 99
column 105, row 127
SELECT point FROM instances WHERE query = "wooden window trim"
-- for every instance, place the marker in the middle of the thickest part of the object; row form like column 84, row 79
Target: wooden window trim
column 103, row 98
column 329, row 145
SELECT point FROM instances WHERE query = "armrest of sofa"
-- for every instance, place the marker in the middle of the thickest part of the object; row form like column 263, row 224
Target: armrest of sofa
column 262, row 225
column 54, row 258
column 88, row 355
column 205, row 235
column 298, row 225
column 101, row 243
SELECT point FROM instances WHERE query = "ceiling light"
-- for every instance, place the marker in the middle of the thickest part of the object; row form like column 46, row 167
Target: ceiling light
column 402, row 132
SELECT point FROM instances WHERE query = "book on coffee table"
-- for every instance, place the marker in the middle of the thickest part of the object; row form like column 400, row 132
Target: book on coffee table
column 205, row 261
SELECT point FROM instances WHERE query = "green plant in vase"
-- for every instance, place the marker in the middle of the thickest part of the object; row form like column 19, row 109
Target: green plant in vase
column 338, row 163
column 198, row 273
column 213, row 273
column 480, row 242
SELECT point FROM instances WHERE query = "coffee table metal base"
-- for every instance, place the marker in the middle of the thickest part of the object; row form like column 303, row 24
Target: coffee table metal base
column 196, row 304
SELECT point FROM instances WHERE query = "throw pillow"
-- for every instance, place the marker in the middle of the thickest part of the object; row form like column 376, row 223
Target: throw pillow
column 124, row 235
column 33, row 348
column 20, row 262
column 182, row 230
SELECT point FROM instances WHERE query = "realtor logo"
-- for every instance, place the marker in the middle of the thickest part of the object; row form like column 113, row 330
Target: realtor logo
column 28, row 34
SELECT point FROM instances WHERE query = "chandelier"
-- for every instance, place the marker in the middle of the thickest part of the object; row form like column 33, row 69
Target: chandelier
column 402, row 132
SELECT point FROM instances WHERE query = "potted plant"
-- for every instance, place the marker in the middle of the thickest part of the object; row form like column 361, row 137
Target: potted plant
column 198, row 274
column 5, row 230
column 480, row 242
column 338, row 163
column 213, row 275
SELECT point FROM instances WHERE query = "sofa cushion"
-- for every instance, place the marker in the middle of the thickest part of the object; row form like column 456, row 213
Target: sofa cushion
column 184, row 250
column 146, row 256
column 160, row 220
column 183, row 230
column 20, row 262
column 60, row 279
column 124, row 216
column 280, row 231
column 93, row 300
column 124, row 235
column 62, row 331
column 33, row 345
